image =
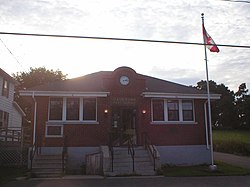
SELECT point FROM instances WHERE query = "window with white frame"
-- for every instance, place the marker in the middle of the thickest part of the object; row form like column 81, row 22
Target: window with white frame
column 72, row 109
column 55, row 108
column 169, row 110
column 173, row 110
column 89, row 109
column 5, row 90
column 4, row 119
column 158, row 110
column 54, row 131
column 187, row 110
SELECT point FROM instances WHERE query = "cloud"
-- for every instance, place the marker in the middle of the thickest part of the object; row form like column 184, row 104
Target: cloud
column 184, row 76
column 226, row 22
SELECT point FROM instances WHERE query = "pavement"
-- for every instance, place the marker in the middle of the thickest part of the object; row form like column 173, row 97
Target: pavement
column 145, row 181
column 235, row 160
column 228, row 181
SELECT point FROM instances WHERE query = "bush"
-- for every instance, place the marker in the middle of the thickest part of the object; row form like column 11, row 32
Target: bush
column 234, row 147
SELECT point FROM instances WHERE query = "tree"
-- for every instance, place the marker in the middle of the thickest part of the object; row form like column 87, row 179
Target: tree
column 223, row 110
column 35, row 77
column 243, row 106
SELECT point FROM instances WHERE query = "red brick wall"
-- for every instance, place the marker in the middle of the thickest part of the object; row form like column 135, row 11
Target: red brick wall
column 98, row 134
column 174, row 134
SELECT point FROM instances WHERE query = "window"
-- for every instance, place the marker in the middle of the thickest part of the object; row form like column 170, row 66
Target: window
column 72, row 110
column 4, row 119
column 187, row 110
column 173, row 110
column 54, row 131
column 164, row 110
column 5, row 91
column 89, row 109
column 56, row 108
column 158, row 110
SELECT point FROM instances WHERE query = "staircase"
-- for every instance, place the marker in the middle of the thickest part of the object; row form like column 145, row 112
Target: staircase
column 123, row 163
column 48, row 166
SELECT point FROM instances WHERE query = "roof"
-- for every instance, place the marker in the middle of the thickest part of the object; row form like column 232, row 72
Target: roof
column 87, row 83
column 7, row 77
column 92, row 84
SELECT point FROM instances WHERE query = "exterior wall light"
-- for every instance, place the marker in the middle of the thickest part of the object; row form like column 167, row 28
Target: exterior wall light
column 144, row 111
column 106, row 111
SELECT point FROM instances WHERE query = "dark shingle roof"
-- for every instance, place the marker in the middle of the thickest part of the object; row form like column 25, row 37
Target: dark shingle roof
column 163, row 86
column 94, row 83
column 88, row 83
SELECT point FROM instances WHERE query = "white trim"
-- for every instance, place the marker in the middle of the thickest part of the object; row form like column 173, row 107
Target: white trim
column 173, row 123
column 81, row 112
column 64, row 94
column 179, row 95
column 166, row 121
column 72, row 122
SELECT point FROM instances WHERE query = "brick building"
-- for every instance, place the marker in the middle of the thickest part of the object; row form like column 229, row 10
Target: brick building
column 100, row 108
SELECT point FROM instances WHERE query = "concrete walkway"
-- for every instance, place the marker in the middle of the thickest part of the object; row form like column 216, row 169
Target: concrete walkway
column 235, row 160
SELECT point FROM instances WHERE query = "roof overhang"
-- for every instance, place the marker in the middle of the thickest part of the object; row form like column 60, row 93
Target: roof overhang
column 179, row 95
column 63, row 94
column 19, row 109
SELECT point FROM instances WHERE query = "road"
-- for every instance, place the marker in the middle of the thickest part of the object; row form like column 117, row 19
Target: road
column 228, row 181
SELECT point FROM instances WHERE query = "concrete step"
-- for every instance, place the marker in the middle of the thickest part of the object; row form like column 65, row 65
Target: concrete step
column 47, row 166
column 123, row 164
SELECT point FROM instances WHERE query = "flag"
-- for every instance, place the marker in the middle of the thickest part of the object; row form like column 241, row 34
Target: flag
column 209, row 41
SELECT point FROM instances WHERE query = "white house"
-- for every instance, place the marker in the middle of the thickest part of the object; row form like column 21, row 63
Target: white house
column 10, row 112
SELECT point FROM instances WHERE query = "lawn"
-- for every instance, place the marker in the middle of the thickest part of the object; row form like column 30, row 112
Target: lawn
column 202, row 170
column 232, row 141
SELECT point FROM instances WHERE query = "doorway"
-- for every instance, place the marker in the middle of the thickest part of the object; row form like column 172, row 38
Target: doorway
column 123, row 125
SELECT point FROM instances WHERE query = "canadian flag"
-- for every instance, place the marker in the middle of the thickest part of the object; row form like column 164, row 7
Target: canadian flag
column 209, row 41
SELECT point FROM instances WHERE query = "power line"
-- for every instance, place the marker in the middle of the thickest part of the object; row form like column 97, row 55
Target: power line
column 117, row 39
column 11, row 53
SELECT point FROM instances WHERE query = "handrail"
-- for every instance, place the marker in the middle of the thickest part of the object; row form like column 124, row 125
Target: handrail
column 34, row 150
column 64, row 153
column 131, row 151
column 152, row 149
column 32, row 153
column 111, row 149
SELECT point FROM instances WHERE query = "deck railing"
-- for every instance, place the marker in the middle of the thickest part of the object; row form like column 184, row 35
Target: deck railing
column 8, row 135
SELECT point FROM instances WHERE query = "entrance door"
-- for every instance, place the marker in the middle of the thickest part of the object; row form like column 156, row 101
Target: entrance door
column 124, row 124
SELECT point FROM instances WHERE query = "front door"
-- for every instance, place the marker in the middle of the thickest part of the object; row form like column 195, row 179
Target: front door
column 123, row 124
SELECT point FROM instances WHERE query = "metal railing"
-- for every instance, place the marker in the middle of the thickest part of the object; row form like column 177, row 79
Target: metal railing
column 34, row 150
column 111, row 150
column 64, row 153
column 131, row 151
column 148, row 145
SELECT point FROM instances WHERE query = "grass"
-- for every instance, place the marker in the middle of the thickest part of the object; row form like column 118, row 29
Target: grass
column 232, row 141
column 203, row 170
column 8, row 174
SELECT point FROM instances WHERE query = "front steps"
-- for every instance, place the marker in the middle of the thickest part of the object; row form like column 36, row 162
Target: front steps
column 123, row 165
column 45, row 166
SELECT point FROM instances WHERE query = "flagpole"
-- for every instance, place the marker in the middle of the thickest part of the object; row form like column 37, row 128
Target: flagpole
column 212, row 166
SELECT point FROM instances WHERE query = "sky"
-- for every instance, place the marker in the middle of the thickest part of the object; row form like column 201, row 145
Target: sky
column 227, row 22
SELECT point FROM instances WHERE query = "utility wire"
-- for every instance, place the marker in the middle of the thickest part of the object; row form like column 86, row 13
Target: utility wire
column 118, row 39
column 11, row 53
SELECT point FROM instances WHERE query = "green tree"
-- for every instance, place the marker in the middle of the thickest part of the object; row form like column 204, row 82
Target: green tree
column 35, row 77
column 223, row 110
column 243, row 106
